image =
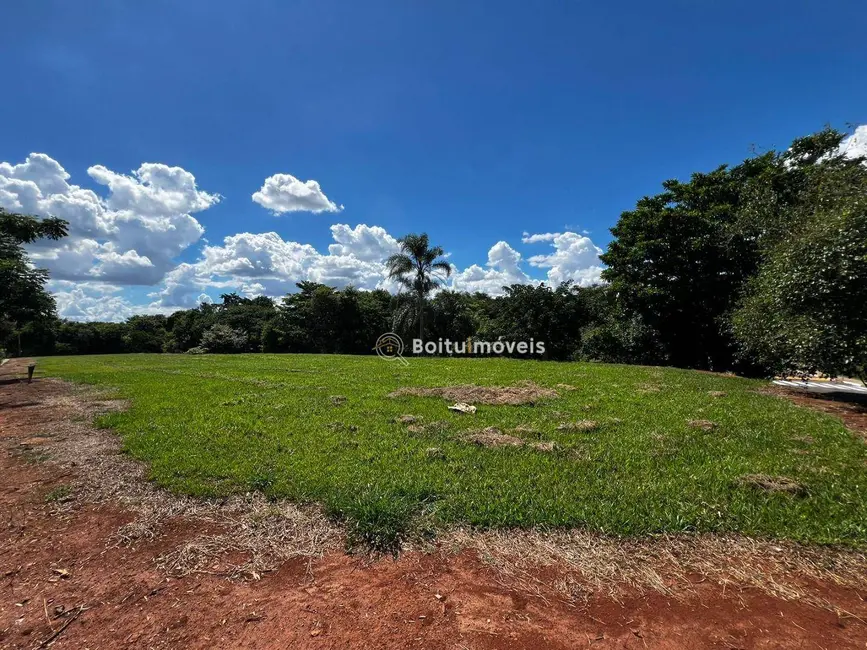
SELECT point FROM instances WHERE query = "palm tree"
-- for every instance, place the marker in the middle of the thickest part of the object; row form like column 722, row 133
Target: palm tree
column 418, row 270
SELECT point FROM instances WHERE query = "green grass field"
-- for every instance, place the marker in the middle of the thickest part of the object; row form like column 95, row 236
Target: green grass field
column 214, row 425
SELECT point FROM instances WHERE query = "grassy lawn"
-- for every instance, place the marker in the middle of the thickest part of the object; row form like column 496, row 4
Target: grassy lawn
column 214, row 425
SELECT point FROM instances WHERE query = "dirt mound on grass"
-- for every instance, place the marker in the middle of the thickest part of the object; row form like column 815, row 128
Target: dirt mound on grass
column 521, row 393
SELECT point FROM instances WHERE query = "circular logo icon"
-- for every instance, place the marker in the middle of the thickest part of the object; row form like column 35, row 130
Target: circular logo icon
column 390, row 346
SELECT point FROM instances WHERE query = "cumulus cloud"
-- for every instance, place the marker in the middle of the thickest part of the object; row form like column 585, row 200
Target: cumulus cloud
column 130, row 236
column 855, row 145
column 266, row 264
column 89, row 301
column 153, row 190
column 540, row 237
column 284, row 193
column 132, row 233
column 369, row 243
column 575, row 258
column 503, row 269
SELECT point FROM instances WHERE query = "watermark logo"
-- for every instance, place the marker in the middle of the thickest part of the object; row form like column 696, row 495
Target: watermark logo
column 389, row 346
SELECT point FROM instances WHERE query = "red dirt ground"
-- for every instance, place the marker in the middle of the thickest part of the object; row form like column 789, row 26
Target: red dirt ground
column 59, row 558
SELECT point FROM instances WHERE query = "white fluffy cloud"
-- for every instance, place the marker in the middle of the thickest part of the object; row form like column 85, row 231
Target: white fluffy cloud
column 284, row 193
column 527, row 238
column 368, row 243
column 133, row 232
column 855, row 145
column 266, row 264
column 503, row 268
column 89, row 301
column 131, row 236
column 575, row 258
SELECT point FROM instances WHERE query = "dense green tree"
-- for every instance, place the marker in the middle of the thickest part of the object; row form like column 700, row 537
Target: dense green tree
column 222, row 339
column 538, row 312
column 145, row 333
column 453, row 316
column 23, row 299
column 806, row 309
column 89, row 338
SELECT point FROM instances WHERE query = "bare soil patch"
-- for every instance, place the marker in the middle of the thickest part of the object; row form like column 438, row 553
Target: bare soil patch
column 852, row 410
column 94, row 571
column 523, row 393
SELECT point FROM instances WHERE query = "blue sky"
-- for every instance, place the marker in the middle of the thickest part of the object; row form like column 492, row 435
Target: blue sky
column 473, row 121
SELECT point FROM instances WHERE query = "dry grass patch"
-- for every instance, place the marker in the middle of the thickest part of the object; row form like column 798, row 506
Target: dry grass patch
column 521, row 393
column 492, row 437
column 580, row 425
column 265, row 533
column 590, row 562
column 406, row 419
column 716, row 393
column 704, row 425
column 431, row 428
column 773, row 484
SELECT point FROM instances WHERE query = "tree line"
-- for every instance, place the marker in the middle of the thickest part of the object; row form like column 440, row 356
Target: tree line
column 758, row 268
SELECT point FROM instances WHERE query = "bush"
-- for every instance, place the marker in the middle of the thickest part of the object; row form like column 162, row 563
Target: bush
column 806, row 310
column 222, row 339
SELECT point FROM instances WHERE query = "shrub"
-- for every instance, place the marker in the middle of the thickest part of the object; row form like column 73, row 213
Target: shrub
column 222, row 339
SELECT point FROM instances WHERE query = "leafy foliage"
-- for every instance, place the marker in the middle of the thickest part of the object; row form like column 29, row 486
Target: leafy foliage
column 418, row 270
column 24, row 300
column 223, row 339
column 806, row 309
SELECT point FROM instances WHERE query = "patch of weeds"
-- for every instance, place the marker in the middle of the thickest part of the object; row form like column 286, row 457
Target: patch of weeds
column 262, row 480
column 382, row 523
column 59, row 494
column 34, row 456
